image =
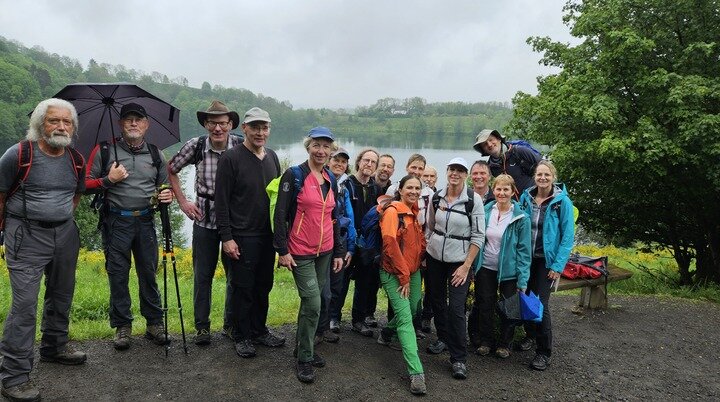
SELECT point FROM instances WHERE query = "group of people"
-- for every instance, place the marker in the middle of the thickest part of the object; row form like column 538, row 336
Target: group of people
column 513, row 235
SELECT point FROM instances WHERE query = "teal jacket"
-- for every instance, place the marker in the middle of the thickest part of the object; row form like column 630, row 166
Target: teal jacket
column 515, row 253
column 558, row 226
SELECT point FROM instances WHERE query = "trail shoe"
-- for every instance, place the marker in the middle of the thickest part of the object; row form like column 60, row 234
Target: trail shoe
column 525, row 344
column 269, row 340
column 331, row 337
column 122, row 337
column 417, row 384
column 419, row 335
column 540, row 362
column 305, row 372
column 202, row 338
column 371, row 322
column 436, row 347
column 335, row 326
column 25, row 392
column 483, row 350
column 425, row 325
column 385, row 340
column 502, row 353
column 69, row 356
column 318, row 361
column 245, row 349
column 362, row 329
column 156, row 333
column 459, row 371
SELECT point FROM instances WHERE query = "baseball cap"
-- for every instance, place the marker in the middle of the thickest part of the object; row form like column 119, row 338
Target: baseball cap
column 340, row 151
column 256, row 114
column 132, row 108
column 321, row 132
column 459, row 162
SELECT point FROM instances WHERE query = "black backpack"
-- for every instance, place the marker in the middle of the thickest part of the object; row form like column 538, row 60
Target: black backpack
column 469, row 206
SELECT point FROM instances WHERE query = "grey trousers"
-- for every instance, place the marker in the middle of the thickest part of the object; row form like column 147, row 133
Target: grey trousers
column 30, row 254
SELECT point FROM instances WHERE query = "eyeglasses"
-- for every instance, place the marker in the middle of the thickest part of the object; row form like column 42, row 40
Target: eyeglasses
column 368, row 161
column 213, row 124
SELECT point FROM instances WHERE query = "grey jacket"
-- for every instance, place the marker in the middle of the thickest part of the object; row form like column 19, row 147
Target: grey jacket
column 143, row 179
column 443, row 224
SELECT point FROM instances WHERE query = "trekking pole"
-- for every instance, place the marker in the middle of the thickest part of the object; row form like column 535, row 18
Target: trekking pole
column 168, row 249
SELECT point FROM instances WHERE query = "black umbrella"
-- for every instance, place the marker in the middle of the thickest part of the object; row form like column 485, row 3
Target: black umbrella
column 98, row 107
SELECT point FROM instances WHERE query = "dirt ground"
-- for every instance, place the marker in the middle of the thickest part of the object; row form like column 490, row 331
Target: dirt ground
column 641, row 348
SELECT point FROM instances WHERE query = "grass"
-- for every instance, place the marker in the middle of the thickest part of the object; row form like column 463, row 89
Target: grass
column 89, row 315
column 654, row 273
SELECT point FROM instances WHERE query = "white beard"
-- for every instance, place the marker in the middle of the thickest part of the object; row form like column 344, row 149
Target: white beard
column 58, row 141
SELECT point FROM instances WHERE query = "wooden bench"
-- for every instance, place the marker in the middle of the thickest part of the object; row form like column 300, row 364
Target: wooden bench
column 593, row 290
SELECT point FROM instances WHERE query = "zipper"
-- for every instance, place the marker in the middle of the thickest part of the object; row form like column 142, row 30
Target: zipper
column 322, row 216
column 302, row 216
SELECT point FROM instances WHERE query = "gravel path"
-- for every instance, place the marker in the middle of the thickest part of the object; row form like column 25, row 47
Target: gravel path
column 640, row 348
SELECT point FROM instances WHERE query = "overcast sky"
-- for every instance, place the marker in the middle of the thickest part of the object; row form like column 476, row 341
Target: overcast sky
column 332, row 53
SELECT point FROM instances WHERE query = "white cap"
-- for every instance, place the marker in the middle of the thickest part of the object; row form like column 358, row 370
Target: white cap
column 460, row 162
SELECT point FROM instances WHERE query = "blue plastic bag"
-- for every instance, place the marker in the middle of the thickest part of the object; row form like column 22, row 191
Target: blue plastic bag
column 531, row 308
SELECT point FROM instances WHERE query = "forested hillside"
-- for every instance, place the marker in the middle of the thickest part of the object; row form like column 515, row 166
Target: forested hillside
column 28, row 75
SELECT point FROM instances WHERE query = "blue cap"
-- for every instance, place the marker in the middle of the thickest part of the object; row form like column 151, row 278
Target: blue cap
column 321, row 132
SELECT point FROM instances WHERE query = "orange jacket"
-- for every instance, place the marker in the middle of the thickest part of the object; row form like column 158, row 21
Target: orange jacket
column 405, row 262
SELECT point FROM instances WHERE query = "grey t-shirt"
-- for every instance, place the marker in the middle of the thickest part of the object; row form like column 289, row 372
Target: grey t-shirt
column 49, row 187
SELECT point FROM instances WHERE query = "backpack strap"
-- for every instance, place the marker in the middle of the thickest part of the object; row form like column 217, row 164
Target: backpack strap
column 469, row 205
column 199, row 153
column 78, row 162
column 25, row 157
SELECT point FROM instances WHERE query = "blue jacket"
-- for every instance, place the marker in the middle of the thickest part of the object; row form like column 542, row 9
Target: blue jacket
column 346, row 211
column 515, row 255
column 558, row 226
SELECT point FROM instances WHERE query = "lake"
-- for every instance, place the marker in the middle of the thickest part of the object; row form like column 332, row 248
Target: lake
column 296, row 154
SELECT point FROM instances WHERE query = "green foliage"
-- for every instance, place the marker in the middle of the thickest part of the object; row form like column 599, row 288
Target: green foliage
column 634, row 119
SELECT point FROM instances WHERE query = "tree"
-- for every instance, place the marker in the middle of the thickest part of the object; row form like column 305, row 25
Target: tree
column 634, row 118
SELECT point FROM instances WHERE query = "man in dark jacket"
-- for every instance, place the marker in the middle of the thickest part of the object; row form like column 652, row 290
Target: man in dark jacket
column 242, row 209
column 516, row 160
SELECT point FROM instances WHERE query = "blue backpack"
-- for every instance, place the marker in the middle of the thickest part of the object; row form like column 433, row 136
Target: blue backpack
column 525, row 144
column 370, row 238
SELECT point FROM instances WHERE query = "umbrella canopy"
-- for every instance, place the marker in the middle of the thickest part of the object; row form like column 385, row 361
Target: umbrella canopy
column 98, row 107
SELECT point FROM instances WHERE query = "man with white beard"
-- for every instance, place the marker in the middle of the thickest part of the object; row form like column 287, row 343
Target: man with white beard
column 41, row 181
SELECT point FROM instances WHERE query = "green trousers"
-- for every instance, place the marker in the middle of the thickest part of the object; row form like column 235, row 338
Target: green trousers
column 402, row 322
column 309, row 277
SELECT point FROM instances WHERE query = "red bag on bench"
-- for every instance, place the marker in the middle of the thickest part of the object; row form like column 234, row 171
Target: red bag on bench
column 582, row 267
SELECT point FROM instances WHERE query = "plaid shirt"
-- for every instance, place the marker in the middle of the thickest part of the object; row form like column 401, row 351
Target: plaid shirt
column 205, row 172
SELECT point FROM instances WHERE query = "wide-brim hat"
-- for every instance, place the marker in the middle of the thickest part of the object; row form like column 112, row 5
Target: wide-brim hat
column 483, row 136
column 218, row 108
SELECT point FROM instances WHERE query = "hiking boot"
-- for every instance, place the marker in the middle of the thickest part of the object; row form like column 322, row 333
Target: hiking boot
column 387, row 341
column 245, row 349
column 305, row 372
column 25, row 392
column 459, row 371
column 483, row 350
column 540, row 362
column 362, row 329
column 317, row 361
column 425, row 325
column 371, row 322
column 419, row 335
column 202, row 338
column 69, row 356
column 417, row 384
column 526, row 344
column 437, row 347
column 331, row 337
column 335, row 326
column 122, row 337
column 156, row 333
column 502, row 353
column 269, row 340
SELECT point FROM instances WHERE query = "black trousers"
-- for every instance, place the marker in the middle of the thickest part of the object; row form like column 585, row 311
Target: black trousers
column 448, row 304
column 486, row 296
column 251, row 279
column 541, row 285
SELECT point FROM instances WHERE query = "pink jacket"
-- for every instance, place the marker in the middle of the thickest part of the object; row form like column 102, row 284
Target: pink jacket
column 312, row 231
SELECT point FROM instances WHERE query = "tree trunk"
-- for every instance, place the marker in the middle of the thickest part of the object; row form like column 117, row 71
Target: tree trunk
column 683, row 257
